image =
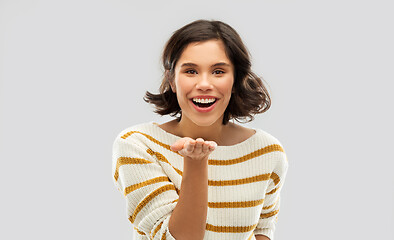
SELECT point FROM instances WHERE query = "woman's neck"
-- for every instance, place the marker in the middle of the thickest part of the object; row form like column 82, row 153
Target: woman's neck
column 212, row 132
column 224, row 135
column 215, row 132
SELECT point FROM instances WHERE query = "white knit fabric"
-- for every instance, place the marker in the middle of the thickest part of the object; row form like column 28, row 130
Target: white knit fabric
column 244, row 183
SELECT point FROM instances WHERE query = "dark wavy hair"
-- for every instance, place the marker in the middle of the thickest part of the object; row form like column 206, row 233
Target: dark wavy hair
column 249, row 95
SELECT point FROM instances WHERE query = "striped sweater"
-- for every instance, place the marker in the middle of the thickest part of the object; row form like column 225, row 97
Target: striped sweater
column 244, row 183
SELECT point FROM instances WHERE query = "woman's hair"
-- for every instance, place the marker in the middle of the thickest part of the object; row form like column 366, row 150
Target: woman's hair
column 249, row 95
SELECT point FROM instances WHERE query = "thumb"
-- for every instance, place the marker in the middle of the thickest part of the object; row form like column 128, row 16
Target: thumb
column 178, row 145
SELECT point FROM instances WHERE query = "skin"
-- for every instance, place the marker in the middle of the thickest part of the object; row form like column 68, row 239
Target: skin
column 202, row 69
column 262, row 237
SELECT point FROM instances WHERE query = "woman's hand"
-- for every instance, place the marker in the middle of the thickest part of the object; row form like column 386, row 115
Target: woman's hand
column 195, row 149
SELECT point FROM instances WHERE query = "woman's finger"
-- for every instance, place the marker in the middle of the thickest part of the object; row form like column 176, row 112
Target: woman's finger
column 199, row 143
column 190, row 145
column 205, row 147
column 212, row 145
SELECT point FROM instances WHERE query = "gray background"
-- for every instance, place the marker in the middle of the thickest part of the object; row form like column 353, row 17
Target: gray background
column 73, row 74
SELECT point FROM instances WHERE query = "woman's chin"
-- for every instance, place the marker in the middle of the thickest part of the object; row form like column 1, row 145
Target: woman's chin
column 206, row 122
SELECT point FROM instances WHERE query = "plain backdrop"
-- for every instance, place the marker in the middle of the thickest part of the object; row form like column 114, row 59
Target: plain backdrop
column 73, row 74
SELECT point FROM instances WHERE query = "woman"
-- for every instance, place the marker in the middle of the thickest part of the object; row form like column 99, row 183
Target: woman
column 201, row 176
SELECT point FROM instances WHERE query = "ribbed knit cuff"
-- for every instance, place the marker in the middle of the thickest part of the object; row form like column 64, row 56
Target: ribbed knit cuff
column 168, row 234
column 167, row 229
column 266, row 232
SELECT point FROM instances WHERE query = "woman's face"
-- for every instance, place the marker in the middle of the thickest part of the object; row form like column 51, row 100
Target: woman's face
column 203, row 74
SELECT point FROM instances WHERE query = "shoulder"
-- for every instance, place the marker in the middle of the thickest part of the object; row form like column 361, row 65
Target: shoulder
column 273, row 144
column 134, row 140
column 129, row 133
column 268, row 137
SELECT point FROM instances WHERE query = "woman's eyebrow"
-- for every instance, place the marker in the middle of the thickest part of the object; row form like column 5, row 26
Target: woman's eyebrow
column 189, row 64
column 221, row 64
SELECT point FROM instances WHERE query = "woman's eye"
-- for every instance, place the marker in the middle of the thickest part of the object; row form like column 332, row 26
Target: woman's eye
column 218, row 71
column 191, row 71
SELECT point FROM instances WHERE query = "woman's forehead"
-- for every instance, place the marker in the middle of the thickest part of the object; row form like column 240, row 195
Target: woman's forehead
column 207, row 53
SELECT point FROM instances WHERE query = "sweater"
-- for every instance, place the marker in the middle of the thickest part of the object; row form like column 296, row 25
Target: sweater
column 244, row 183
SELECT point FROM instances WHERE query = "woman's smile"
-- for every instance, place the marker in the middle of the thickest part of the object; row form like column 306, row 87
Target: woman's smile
column 204, row 106
column 203, row 82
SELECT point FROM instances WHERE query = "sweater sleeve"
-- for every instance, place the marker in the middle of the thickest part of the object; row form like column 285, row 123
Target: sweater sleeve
column 149, row 194
column 269, row 213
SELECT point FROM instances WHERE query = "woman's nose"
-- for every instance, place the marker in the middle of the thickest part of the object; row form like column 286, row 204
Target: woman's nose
column 204, row 82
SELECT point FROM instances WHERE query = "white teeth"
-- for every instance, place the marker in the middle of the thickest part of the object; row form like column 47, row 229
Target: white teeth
column 204, row 100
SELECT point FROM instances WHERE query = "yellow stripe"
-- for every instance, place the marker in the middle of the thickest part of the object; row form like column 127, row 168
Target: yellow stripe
column 138, row 231
column 158, row 155
column 148, row 198
column 178, row 171
column 275, row 178
column 157, row 229
column 127, row 160
column 257, row 178
column 270, row 214
column 273, row 191
column 270, row 206
column 163, row 237
column 161, row 157
column 257, row 153
column 230, row 229
column 235, row 204
column 126, row 135
column 250, row 237
column 134, row 187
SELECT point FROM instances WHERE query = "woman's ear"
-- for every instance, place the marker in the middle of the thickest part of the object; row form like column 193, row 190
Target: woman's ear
column 171, row 81
column 173, row 88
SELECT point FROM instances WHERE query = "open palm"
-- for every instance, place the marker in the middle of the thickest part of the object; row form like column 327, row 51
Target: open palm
column 195, row 149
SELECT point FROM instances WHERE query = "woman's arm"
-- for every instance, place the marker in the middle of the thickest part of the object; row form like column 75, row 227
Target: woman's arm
column 269, row 212
column 188, row 219
column 262, row 237
column 149, row 193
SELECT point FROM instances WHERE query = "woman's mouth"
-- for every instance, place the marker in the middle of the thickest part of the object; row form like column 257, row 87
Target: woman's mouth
column 204, row 105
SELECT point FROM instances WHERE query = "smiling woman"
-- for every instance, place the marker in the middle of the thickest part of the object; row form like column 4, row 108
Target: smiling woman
column 201, row 176
column 203, row 75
